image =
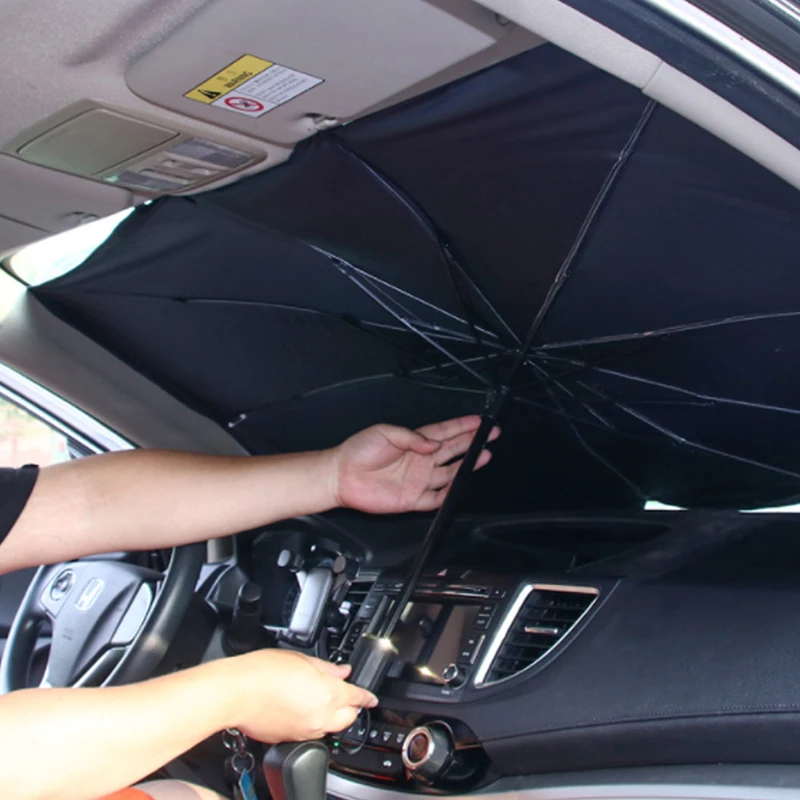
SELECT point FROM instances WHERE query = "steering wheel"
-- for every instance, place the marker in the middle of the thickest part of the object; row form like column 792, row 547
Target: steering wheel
column 112, row 622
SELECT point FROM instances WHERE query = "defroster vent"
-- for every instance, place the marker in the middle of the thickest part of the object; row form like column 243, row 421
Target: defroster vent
column 540, row 618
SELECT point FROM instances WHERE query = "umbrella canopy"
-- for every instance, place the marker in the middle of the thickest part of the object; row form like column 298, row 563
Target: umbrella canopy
column 641, row 273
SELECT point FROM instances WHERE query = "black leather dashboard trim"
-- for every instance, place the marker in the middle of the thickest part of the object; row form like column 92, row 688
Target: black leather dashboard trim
column 661, row 674
column 762, row 738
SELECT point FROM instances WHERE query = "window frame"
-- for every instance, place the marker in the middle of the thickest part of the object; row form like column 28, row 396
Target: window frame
column 81, row 429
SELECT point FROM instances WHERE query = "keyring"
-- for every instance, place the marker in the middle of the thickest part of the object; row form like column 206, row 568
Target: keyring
column 243, row 762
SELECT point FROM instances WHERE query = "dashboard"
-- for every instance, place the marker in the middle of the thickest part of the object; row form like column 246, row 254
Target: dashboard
column 554, row 645
column 463, row 632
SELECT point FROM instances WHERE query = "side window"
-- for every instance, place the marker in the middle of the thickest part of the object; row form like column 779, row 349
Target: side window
column 25, row 439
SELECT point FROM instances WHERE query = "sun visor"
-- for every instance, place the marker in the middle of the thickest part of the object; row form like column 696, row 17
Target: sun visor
column 392, row 270
column 283, row 71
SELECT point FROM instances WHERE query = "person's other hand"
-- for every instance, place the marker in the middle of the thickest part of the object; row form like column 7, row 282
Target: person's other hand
column 284, row 696
column 388, row 470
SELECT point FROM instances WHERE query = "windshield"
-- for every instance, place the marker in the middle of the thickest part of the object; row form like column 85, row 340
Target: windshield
column 774, row 25
column 539, row 231
column 57, row 255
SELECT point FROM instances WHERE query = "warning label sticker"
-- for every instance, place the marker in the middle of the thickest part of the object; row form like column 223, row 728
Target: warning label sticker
column 252, row 86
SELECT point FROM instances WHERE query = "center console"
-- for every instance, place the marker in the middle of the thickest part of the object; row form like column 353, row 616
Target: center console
column 462, row 634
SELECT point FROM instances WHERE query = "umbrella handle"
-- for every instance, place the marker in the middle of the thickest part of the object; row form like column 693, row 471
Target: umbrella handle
column 371, row 659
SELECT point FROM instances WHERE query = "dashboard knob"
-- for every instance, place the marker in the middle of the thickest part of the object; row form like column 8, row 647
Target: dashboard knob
column 454, row 676
column 428, row 751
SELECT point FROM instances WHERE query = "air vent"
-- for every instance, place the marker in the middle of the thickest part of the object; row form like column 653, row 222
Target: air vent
column 539, row 619
column 339, row 642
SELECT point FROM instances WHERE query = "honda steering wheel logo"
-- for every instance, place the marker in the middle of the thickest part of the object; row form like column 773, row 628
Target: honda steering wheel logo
column 90, row 593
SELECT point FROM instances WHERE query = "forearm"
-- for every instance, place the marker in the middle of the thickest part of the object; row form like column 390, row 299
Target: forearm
column 148, row 499
column 101, row 740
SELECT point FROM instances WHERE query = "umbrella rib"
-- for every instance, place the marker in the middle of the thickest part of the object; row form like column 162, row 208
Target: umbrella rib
column 683, row 441
column 551, row 378
column 434, row 330
column 709, row 398
column 316, row 248
column 310, row 393
column 668, row 331
column 346, row 269
column 582, row 440
column 699, row 395
column 451, row 363
column 556, row 411
column 410, row 376
column 352, row 382
column 565, row 270
column 441, row 240
column 278, row 307
column 452, row 265
column 363, row 325
column 376, row 280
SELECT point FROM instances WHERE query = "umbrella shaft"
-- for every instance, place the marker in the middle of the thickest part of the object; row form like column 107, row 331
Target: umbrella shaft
column 447, row 510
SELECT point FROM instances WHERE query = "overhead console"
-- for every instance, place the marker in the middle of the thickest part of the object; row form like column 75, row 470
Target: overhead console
column 128, row 150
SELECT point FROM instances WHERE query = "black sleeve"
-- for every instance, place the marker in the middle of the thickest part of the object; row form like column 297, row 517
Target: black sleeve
column 16, row 486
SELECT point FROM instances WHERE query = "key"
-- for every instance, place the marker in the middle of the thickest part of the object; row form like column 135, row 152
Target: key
column 244, row 788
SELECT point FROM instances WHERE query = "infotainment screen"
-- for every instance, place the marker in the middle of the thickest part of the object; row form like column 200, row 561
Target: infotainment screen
column 431, row 636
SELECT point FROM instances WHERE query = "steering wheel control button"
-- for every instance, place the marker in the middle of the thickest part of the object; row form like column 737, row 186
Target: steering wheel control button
column 63, row 582
column 56, row 591
column 428, row 751
column 134, row 617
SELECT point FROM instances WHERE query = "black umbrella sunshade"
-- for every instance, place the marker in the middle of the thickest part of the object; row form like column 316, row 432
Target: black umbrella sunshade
column 641, row 274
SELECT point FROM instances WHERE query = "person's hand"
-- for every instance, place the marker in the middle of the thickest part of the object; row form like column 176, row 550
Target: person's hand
column 284, row 696
column 387, row 470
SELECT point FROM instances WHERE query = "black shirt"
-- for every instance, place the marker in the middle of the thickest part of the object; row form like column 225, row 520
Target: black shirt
column 16, row 486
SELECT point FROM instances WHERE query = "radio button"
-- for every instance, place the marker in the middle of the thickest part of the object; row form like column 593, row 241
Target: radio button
column 483, row 621
column 368, row 608
column 470, row 648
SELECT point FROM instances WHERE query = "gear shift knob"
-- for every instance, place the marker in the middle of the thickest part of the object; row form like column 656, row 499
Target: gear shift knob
column 297, row 770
